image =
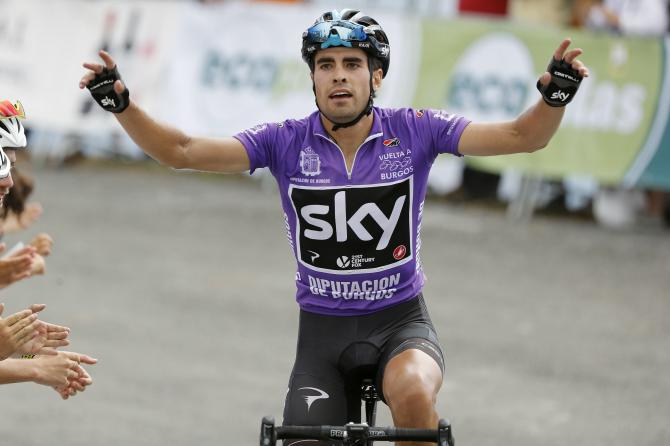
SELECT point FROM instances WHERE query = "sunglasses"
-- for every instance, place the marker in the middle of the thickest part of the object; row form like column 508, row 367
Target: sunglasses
column 9, row 110
column 339, row 30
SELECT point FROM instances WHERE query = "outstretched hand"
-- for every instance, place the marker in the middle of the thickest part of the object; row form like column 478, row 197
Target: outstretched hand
column 18, row 329
column 49, row 337
column 569, row 57
column 31, row 213
column 42, row 243
column 97, row 68
column 17, row 266
column 105, row 85
column 61, row 369
column 79, row 382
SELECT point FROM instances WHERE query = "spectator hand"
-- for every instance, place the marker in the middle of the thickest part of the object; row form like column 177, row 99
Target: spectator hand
column 81, row 381
column 42, row 244
column 48, row 339
column 78, row 384
column 38, row 266
column 16, row 267
column 30, row 214
column 18, row 329
column 63, row 369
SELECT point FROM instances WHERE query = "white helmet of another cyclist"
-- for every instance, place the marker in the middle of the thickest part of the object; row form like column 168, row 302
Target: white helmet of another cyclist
column 12, row 133
column 5, row 165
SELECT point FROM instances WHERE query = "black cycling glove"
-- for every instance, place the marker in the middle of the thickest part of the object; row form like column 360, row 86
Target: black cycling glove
column 102, row 90
column 563, row 85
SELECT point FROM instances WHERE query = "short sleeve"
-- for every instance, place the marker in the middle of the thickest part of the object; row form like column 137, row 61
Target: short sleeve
column 442, row 130
column 259, row 142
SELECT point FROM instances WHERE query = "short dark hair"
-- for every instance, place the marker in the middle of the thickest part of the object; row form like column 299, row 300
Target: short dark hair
column 375, row 63
column 15, row 201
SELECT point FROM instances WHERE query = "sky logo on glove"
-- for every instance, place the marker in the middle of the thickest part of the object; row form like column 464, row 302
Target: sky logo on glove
column 560, row 95
column 107, row 101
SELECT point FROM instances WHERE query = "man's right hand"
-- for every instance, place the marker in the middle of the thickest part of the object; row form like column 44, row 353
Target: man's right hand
column 105, row 84
column 162, row 142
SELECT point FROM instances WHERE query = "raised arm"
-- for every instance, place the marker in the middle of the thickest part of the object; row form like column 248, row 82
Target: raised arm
column 164, row 143
column 533, row 129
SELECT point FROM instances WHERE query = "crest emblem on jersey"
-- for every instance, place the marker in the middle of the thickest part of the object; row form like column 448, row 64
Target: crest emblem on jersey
column 393, row 142
column 310, row 164
column 419, row 113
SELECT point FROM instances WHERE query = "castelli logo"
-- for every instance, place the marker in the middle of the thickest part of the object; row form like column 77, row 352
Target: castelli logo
column 399, row 252
column 419, row 113
column 393, row 142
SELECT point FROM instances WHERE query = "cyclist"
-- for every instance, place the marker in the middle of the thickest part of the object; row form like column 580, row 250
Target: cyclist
column 352, row 179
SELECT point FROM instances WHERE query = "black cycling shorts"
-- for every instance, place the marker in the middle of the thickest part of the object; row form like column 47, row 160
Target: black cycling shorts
column 335, row 352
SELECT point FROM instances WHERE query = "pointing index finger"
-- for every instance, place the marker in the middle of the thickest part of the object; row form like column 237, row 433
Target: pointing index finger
column 109, row 62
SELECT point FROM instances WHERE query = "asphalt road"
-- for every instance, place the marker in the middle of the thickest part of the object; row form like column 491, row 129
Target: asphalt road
column 556, row 332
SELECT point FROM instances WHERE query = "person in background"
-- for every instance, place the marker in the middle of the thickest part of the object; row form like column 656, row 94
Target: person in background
column 22, row 334
column 16, row 213
column 626, row 17
column 647, row 18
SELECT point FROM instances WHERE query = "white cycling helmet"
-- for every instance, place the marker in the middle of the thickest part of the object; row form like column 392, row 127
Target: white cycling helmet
column 5, row 165
column 12, row 133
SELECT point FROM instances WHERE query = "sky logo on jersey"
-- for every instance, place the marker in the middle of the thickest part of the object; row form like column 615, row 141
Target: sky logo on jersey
column 354, row 229
column 393, row 142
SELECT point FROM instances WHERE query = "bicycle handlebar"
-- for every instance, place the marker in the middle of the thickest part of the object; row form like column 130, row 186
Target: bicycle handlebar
column 354, row 432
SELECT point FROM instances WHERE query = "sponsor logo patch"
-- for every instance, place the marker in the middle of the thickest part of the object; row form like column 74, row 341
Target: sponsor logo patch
column 393, row 142
column 399, row 252
column 561, row 96
column 395, row 164
column 353, row 229
column 309, row 399
column 107, row 101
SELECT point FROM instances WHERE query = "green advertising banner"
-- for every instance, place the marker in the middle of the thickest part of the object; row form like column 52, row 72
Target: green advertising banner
column 616, row 129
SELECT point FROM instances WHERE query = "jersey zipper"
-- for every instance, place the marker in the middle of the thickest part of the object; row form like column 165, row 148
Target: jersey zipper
column 344, row 159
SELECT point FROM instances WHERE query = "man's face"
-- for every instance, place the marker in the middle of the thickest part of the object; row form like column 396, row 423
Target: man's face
column 7, row 182
column 342, row 82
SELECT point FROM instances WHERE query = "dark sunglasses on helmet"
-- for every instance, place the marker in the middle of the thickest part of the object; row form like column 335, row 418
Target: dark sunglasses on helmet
column 345, row 30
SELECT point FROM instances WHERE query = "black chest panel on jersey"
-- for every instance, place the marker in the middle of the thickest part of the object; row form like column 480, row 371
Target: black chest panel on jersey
column 345, row 230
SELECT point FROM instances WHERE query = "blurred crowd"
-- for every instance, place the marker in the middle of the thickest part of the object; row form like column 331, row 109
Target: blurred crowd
column 28, row 345
column 626, row 16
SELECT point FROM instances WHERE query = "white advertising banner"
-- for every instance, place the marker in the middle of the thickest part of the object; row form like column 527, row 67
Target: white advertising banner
column 43, row 44
column 209, row 69
column 238, row 65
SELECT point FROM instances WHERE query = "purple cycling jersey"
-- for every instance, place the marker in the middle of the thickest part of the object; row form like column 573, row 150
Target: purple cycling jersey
column 355, row 234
